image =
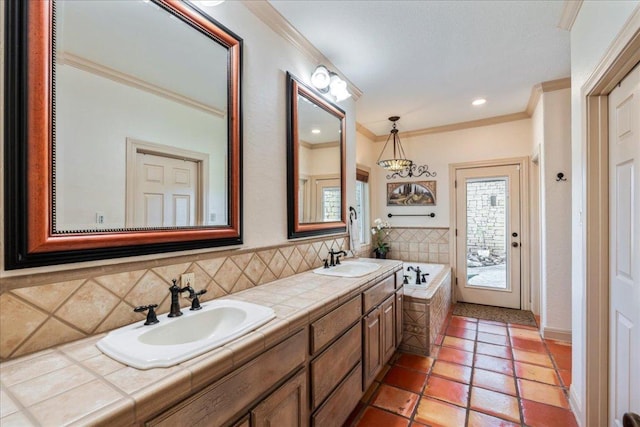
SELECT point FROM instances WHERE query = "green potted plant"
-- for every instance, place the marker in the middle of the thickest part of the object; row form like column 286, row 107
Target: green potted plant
column 379, row 231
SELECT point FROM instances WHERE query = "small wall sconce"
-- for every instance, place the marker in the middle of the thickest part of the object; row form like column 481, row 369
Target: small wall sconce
column 328, row 82
column 560, row 177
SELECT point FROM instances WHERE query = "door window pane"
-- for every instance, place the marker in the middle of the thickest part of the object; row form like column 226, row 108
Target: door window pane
column 486, row 233
column 331, row 204
column 362, row 209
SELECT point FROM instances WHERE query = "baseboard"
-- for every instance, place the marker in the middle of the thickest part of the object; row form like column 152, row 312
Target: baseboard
column 557, row 334
column 576, row 407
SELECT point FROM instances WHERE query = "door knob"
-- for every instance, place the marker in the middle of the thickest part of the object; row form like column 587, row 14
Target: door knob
column 514, row 244
column 631, row 419
column 514, row 234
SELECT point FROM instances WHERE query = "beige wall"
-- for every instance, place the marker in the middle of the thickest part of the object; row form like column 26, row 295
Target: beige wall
column 511, row 139
column 595, row 28
column 44, row 306
column 555, row 209
column 537, row 123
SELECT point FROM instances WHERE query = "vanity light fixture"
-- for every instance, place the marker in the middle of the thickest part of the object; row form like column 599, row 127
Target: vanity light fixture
column 399, row 160
column 478, row 102
column 328, row 82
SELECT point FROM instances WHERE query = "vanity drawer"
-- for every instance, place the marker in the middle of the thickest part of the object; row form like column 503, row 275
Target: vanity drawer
column 327, row 328
column 226, row 398
column 378, row 293
column 337, row 408
column 328, row 369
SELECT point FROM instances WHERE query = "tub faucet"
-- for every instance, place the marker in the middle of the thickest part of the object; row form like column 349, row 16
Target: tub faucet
column 176, row 290
column 418, row 271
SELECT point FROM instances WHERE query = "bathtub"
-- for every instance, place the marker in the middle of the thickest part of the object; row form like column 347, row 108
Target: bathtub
column 426, row 306
column 428, row 272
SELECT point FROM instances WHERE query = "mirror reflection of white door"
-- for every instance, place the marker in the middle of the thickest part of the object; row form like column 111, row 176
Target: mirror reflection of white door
column 166, row 186
column 165, row 191
column 624, row 244
column 488, row 235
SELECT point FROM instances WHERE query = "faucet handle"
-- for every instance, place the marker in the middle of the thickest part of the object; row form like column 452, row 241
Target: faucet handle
column 326, row 263
column 152, row 319
column 195, row 300
column 338, row 259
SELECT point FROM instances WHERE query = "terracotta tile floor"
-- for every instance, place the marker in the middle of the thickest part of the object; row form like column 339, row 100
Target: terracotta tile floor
column 482, row 374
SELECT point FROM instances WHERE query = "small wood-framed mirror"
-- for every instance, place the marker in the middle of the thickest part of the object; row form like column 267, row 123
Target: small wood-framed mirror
column 123, row 130
column 316, row 186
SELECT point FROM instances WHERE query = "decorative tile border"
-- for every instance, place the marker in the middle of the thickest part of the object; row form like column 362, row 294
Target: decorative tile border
column 90, row 301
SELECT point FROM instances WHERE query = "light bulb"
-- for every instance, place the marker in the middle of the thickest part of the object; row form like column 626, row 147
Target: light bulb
column 320, row 77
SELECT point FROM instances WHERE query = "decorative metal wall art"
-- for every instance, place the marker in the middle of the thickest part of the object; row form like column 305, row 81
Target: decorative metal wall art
column 413, row 171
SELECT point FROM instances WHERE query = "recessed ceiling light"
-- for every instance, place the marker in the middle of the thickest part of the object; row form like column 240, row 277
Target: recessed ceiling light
column 478, row 101
column 315, row 130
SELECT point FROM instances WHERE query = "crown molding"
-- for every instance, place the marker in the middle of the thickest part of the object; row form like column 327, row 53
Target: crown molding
column 540, row 88
column 366, row 132
column 319, row 145
column 460, row 126
column 569, row 14
column 270, row 16
column 76, row 61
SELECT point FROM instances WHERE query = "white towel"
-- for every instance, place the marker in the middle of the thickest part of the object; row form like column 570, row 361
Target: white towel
column 354, row 236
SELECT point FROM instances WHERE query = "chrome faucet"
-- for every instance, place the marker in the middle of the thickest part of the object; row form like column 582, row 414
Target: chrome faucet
column 418, row 271
column 175, row 290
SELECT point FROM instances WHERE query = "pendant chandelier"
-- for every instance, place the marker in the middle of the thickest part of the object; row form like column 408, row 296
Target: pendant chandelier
column 399, row 160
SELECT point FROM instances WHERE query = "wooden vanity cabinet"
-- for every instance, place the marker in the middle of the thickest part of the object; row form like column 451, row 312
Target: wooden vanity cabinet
column 372, row 348
column 380, row 326
column 336, row 353
column 399, row 315
column 249, row 386
column 286, row 407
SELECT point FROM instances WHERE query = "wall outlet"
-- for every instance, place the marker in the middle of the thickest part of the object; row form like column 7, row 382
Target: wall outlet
column 187, row 279
column 99, row 218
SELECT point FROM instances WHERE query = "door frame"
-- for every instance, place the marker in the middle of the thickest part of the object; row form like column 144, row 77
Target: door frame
column 525, row 245
column 622, row 55
column 135, row 146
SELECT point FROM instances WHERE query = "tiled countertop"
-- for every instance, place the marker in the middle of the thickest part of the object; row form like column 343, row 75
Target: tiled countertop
column 75, row 384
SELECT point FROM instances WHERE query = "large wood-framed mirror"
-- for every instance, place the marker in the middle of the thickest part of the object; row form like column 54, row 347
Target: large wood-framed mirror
column 123, row 130
column 316, row 185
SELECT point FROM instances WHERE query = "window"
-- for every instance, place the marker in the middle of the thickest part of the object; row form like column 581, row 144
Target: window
column 362, row 203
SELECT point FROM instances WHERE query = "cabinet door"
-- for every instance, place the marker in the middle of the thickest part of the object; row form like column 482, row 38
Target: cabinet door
column 285, row 407
column 372, row 346
column 388, row 328
column 399, row 316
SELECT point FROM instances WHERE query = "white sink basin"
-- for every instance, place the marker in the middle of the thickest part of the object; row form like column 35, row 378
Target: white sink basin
column 349, row 269
column 177, row 339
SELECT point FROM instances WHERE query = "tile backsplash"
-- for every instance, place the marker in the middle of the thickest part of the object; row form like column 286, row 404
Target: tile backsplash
column 413, row 244
column 62, row 307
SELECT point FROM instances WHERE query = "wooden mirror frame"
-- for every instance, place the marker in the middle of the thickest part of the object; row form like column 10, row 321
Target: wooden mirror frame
column 296, row 230
column 28, row 140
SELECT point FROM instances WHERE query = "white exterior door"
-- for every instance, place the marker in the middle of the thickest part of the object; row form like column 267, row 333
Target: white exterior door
column 488, row 235
column 624, row 245
column 165, row 191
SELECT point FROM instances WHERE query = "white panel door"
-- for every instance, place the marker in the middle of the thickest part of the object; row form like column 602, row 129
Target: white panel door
column 165, row 191
column 624, row 245
column 488, row 235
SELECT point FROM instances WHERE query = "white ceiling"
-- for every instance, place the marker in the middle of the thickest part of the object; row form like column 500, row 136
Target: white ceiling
column 144, row 41
column 427, row 60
